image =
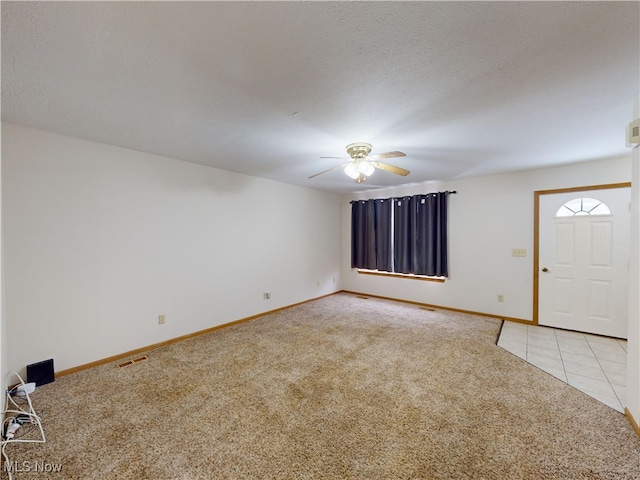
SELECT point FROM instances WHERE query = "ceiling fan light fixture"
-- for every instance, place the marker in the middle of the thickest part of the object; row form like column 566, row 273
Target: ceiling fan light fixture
column 361, row 165
column 352, row 170
column 366, row 168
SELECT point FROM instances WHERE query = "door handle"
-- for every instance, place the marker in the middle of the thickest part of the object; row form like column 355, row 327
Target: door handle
column 545, row 269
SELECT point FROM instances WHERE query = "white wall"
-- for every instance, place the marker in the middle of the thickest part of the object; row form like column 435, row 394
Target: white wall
column 633, row 344
column 488, row 217
column 100, row 240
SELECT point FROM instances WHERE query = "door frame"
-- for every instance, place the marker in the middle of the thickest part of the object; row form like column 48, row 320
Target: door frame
column 536, row 230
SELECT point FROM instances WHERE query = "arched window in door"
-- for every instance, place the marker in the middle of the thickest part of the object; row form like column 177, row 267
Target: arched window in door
column 583, row 206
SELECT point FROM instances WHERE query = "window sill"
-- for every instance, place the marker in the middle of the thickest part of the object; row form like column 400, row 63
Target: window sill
column 401, row 275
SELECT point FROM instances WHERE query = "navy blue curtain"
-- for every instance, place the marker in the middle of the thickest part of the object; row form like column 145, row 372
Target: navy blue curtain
column 384, row 254
column 430, row 255
column 363, row 238
column 403, row 234
column 417, row 224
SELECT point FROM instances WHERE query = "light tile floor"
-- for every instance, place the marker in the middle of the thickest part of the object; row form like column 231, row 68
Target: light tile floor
column 594, row 365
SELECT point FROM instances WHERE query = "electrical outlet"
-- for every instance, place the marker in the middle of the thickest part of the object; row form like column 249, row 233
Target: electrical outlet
column 266, row 295
column 518, row 252
column 500, row 297
column 162, row 319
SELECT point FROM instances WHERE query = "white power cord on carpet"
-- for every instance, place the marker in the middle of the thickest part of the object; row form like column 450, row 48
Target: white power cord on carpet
column 15, row 416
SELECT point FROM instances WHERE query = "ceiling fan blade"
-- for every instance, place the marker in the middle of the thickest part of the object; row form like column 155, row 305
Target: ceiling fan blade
column 391, row 168
column 329, row 170
column 338, row 158
column 380, row 156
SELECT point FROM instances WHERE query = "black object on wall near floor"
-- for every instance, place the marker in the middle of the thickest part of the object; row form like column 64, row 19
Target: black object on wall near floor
column 41, row 373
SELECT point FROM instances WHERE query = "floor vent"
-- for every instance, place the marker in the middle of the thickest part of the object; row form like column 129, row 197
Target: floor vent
column 133, row 361
column 427, row 308
column 362, row 297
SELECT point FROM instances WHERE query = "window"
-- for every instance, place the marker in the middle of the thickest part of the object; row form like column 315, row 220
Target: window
column 405, row 235
column 583, row 206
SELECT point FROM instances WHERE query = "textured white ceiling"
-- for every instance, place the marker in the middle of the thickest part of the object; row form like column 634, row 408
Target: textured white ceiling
column 266, row 88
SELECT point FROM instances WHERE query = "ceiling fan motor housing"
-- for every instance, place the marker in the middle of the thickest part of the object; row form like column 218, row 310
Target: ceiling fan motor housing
column 358, row 150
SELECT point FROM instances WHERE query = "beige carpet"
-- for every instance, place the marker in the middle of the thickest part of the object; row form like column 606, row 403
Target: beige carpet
column 339, row 388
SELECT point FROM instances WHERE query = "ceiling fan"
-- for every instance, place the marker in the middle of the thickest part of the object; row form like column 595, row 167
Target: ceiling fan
column 361, row 164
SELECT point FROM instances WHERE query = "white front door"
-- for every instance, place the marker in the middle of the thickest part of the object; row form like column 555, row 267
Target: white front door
column 584, row 261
